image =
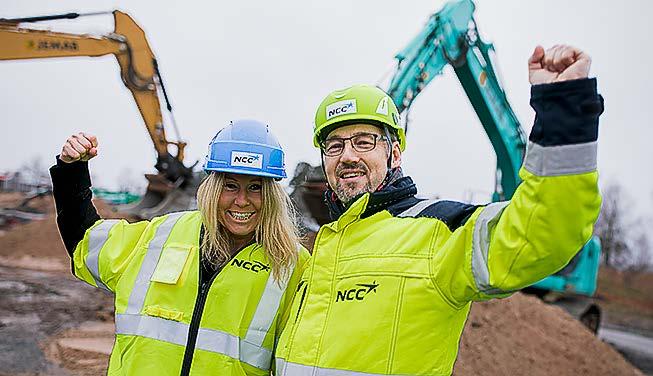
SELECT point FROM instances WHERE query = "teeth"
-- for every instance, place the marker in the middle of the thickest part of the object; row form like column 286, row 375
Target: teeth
column 241, row 216
column 352, row 174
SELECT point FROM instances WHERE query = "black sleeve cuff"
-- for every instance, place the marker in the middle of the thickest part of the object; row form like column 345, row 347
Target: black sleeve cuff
column 71, row 183
column 69, row 179
column 566, row 112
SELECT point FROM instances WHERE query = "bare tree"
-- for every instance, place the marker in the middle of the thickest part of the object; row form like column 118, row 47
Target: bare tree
column 640, row 260
column 611, row 226
column 625, row 243
column 35, row 174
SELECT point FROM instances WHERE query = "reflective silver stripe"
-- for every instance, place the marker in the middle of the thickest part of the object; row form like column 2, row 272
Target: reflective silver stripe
column 252, row 350
column 97, row 237
column 561, row 160
column 417, row 208
column 266, row 311
column 293, row 369
column 207, row 339
column 142, row 283
column 152, row 327
column 481, row 245
column 232, row 346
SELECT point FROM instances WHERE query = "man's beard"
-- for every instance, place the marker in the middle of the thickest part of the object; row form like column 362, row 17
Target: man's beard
column 348, row 191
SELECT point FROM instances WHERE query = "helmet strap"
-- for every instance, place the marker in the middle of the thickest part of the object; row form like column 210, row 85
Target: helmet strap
column 324, row 169
column 389, row 141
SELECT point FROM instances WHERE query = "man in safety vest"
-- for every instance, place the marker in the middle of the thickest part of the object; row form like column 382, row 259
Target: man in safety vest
column 391, row 281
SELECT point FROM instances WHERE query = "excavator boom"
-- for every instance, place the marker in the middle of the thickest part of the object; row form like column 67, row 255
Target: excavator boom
column 139, row 73
column 450, row 38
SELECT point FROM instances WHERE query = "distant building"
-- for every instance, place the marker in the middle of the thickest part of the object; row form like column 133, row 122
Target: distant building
column 17, row 182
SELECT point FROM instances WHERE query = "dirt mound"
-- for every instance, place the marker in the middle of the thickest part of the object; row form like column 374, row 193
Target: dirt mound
column 84, row 350
column 522, row 335
column 37, row 244
column 626, row 299
column 11, row 199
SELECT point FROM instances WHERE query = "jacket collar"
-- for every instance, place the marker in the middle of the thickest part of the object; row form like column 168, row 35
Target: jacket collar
column 368, row 204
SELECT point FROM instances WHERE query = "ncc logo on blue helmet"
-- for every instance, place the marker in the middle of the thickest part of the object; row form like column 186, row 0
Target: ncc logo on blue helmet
column 245, row 159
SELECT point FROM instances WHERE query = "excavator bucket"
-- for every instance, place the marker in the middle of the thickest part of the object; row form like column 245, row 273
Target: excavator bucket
column 163, row 196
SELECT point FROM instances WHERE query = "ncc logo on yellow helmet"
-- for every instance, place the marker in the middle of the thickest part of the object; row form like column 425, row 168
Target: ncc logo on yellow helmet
column 341, row 108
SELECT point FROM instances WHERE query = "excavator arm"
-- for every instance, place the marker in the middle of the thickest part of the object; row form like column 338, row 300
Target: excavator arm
column 138, row 70
column 450, row 38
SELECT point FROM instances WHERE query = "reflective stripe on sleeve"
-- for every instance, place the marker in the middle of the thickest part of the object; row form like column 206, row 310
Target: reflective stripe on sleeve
column 481, row 245
column 293, row 369
column 560, row 160
column 142, row 283
column 417, row 208
column 97, row 237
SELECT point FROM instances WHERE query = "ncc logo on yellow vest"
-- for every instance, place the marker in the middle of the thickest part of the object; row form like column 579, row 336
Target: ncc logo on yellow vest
column 356, row 293
column 254, row 266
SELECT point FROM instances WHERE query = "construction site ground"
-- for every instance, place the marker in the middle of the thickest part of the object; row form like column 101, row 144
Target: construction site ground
column 53, row 324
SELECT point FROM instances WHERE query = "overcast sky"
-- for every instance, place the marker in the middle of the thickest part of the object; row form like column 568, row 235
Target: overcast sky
column 275, row 60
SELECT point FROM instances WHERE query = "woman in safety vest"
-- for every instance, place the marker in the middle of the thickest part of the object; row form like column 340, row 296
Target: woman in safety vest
column 201, row 292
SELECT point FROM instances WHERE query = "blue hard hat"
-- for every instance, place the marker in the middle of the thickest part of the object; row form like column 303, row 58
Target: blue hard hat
column 246, row 147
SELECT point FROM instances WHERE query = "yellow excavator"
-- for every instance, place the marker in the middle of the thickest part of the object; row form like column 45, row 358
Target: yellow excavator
column 174, row 186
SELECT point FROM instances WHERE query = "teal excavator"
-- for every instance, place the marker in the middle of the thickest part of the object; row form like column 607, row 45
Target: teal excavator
column 450, row 37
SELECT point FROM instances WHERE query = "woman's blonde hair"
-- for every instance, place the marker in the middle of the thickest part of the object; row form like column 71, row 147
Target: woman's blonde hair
column 276, row 231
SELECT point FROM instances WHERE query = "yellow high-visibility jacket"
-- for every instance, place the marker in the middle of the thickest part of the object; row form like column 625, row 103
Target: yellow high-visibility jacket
column 164, row 318
column 390, row 283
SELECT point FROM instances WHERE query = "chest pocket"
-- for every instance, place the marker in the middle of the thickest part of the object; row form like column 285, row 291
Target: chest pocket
column 414, row 266
column 171, row 263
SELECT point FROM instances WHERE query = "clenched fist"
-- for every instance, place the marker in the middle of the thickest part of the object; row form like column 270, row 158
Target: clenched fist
column 79, row 147
column 559, row 63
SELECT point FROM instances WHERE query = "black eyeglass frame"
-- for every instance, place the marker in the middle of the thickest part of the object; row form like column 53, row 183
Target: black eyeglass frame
column 342, row 140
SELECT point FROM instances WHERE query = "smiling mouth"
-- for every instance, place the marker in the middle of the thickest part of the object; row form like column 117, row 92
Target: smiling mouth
column 351, row 174
column 240, row 216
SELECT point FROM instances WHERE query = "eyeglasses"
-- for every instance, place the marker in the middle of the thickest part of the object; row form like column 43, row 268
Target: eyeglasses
column 362, row 142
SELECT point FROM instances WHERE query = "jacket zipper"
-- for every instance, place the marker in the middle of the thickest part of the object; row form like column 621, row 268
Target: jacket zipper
column 293, row 329
column 195, row 322
column 197, row 315
column 310, row 278
column 301, row 300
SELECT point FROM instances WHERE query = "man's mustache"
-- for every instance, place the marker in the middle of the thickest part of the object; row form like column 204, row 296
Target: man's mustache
column 346, row 166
